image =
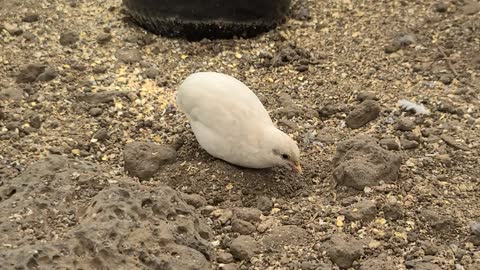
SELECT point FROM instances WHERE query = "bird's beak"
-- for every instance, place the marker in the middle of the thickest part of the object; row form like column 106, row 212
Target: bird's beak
column 297, row 167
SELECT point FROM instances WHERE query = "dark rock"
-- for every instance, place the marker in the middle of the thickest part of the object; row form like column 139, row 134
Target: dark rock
column 151, row 73
column 391, row 48
column 29, row 73
column 361, row 162
column 365, row 211
column 422, row 265
column 430, row 249
column 49, row 74
column 36, row 121
column 242, row 227
column 366, row 95
column 104, row 38
column 439, row 222
column 301, row 68
column 247, row 214
column 343, row 250
column 99, row 69
column 68, row 38
column 405, row 124
column 389, row 144
column 440, row 7
column 101, row 135
column 383, row 261
column 408, row 144
column 194, row 200
column 363, row 113
column 144, row 159
column 282, row 236
column 13, row 125
column 95, row 112
column 264, row 204
column 243, row 247
column 393, row 211
column 11, row 94
column 100, row 97
column 30, row 17
column 475, row 230
column 128, row 56
column 446, row 79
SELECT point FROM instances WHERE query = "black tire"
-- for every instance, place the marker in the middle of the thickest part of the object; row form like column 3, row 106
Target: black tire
column 197, row 19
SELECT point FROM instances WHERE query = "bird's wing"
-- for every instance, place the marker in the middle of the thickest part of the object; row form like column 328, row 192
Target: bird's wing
column 224, row 114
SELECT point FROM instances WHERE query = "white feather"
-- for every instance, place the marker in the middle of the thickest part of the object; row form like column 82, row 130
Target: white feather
column 411, row 106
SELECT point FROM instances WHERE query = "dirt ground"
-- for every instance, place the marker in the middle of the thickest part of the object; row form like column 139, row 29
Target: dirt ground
column 79, row 83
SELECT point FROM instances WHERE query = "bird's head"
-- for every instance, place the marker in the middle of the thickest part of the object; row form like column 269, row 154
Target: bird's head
column 286, row 153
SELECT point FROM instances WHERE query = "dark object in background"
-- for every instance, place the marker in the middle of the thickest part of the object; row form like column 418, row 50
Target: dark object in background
column 198, row 19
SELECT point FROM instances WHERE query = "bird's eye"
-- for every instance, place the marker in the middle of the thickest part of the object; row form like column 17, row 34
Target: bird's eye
column 285, row 156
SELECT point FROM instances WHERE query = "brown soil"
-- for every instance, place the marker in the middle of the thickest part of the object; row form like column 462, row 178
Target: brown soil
column 77, row 208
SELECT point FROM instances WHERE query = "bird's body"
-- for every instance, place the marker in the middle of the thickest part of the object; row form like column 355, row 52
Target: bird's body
column 229, row 121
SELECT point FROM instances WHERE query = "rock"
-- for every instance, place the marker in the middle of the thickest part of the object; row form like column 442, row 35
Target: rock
column 366, row 95
column 144, row 159
column 101, row 135
column 68, row 38
column 247, row 214
column 12, row 29
column 13, row 125
column 365, row 211
column 430, row 249
column 361, row 162
column 223, row 215
column 475, row 230
column 404, row 40
column 29, row 36
column 49, row 74
column 128, row 56
column 242, row 227
column 344, row 250
column 225, row 257
column 229, row 266
column 30, row 17
column 11, row 94
column 99, row 69
column 437, row 221
column 393, row 211
column 194, row 200
column 471, row 8
column 151, row 73
column 29, row 73
column 389, row 144
column 264, row 204
column 383, row 261
column 301, row 68
column 36, row 121
column 440, row 7
column 363, row 113
column 100, row 97
column 104, row 38
column 243, row 248
column 282, row 236
column 450, row 141
column 95, row 112
column 421, row 265
column 405, row 124
column 447, row 78
column 409, row 144
column 116, row 220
